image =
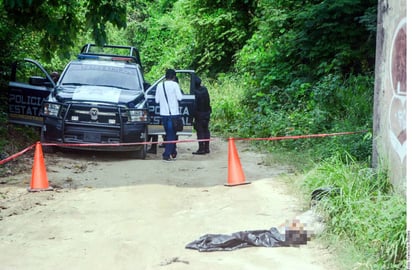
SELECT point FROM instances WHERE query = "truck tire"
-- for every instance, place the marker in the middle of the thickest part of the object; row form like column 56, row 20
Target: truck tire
column 46, row 148
column 141, row 153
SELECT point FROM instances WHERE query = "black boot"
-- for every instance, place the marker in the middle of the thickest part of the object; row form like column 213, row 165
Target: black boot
column 201, row 150
column 207, row 150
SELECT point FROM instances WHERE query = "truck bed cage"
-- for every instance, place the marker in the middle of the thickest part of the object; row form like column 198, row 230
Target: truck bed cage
column 128, row 52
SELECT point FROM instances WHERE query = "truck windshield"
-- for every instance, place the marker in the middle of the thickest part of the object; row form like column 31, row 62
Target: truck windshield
column 110, row 76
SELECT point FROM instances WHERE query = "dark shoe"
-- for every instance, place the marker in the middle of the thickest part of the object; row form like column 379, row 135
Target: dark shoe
column 167, row 159
column 199, row 152
column 207, row 150
column 174, row 156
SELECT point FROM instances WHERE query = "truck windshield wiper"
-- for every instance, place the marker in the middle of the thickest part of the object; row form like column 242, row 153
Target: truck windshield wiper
column 75, row 84
column 115, row 86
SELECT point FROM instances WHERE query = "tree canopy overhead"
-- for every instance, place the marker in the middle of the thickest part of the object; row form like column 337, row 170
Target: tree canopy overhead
column 270, row 39
column 58, row 24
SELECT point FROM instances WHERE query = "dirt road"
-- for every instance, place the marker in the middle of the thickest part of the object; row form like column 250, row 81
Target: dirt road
column 109, row 212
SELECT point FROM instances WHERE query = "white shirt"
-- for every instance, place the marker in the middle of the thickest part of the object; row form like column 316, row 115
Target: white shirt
column 173, row 93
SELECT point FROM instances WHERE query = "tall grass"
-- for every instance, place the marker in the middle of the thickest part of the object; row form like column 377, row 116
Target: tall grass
column 226, row 94
column 241, row 109
column 366, row 211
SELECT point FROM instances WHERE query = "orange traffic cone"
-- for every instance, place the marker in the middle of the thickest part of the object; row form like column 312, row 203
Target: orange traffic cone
column 235, row 172
column 39, row 181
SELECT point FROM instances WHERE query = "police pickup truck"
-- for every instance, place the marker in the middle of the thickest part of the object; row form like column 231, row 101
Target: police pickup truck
column 101, row 101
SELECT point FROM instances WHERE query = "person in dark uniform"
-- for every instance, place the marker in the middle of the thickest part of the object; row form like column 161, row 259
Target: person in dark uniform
column 202, row 116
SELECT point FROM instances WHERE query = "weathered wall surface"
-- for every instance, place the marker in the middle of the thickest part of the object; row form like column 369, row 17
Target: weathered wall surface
column 389, row 148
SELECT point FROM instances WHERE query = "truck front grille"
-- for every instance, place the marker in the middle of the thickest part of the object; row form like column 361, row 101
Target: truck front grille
column 95, row 115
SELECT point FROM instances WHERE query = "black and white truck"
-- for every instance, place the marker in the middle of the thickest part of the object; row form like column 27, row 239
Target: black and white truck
column 101, row 101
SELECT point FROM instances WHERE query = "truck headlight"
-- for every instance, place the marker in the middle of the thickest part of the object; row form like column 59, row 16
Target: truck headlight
column 51, row 109
column 137, row 115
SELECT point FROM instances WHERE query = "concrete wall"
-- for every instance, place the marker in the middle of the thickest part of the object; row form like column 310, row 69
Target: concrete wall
column 389, row 149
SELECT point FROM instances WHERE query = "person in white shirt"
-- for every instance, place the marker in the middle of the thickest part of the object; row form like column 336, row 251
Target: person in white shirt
column 168, row 95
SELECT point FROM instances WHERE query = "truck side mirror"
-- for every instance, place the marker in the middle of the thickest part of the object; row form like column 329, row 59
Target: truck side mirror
column 37, row 81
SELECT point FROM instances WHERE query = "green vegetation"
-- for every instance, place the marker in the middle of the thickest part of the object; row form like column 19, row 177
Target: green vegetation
column 273, row 68
column 365, row 211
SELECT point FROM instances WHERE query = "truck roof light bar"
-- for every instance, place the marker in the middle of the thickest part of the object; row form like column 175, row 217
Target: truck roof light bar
column 85, row 56
column 114, row 52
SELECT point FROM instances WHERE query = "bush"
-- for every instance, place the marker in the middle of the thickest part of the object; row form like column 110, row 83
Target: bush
column 366, row 211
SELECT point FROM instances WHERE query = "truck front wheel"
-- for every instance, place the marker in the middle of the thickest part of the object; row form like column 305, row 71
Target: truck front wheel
column 46, row 148
column 141, row 153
